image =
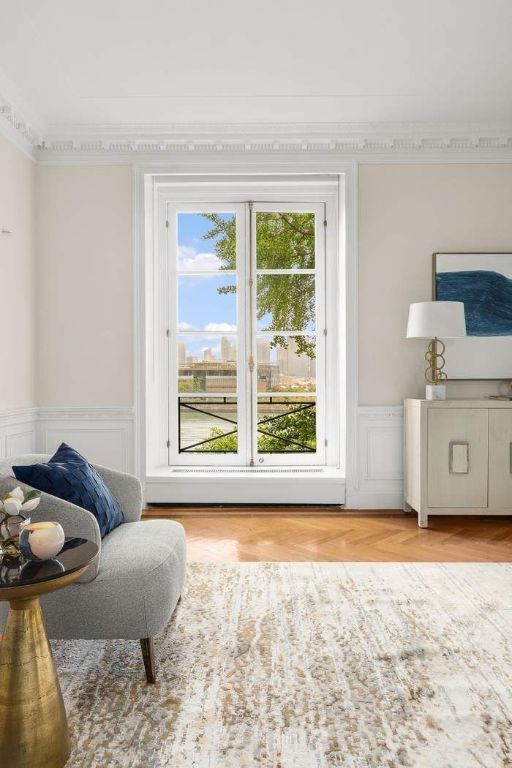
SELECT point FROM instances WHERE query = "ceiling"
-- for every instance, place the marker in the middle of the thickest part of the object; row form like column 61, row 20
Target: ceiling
column 160, row 62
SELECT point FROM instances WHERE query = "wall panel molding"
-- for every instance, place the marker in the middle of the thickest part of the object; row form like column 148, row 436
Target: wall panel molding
column 378, row 480
column 104, row 434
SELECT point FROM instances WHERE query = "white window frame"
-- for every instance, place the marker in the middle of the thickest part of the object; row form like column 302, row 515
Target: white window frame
column 152, row 190
column 221, row 197
column 172, row 208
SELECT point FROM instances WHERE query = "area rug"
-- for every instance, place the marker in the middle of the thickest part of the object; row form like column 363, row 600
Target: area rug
column 307, row 665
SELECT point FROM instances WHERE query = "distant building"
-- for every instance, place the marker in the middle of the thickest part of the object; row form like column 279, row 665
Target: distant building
column 293, row 365
column 209, row 355
column 263, row 351
column 182, row 353
column 227, row 350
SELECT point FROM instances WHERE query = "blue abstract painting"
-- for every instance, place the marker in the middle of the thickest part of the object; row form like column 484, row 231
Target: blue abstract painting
column 486, row 293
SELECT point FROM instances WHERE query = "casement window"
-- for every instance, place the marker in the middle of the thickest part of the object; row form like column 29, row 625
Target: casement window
column 250, row 281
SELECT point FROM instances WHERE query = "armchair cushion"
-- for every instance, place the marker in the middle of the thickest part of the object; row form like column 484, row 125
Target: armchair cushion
column 70, row 477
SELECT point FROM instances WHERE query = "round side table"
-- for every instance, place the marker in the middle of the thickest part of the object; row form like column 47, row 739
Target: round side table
column 33, row 725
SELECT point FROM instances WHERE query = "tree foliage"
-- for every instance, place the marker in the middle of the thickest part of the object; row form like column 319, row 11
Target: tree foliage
column 282, row 435
column 283, row 241
column 283, row 303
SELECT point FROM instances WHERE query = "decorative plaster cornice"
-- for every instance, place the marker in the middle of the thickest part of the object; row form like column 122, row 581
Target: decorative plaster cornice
column 344, row 141
column 156, row 143
column 16, row 128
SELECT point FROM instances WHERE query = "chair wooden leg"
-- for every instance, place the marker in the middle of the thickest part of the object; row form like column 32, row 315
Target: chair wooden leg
column 148, row 654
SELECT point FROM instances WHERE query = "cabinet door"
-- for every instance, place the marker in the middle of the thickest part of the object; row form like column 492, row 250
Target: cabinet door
column 457, row 457
column 500, row 458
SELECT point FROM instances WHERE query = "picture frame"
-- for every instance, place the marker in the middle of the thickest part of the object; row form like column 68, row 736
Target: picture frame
column 483, row 282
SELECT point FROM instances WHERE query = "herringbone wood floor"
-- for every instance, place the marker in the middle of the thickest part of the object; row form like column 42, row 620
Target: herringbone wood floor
column 217, row 536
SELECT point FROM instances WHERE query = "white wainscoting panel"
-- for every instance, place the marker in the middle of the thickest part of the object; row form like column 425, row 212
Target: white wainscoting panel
column 378, row 483
column 17, row 432
column 103, row 435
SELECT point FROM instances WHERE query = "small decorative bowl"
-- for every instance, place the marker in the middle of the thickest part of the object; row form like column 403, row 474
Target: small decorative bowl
column 41, row 541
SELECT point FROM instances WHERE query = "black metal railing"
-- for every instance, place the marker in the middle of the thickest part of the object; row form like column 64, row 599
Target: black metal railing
column 192, row 405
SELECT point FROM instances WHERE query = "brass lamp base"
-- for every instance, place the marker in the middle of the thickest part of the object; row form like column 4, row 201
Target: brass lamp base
column 434, row 356
column 33, row 725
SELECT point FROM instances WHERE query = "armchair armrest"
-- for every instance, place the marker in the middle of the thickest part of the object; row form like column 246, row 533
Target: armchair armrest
column 75, row 520
column 127, row 490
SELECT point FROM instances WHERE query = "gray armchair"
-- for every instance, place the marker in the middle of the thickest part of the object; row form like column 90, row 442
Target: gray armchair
column 132, row 587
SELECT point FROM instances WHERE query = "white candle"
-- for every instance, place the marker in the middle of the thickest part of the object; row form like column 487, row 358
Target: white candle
column 42, row 540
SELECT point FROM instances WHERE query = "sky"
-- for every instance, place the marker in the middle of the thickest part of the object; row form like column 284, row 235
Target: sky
column 200, row 306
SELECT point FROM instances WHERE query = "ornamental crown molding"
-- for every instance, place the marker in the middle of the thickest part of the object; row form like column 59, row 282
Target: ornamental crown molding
column 17, row 128
column 348, row 141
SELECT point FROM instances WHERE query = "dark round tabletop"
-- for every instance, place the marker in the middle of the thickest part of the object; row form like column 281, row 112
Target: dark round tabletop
column 18, row 572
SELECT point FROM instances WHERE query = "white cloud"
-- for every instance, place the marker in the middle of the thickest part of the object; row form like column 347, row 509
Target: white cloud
column 220, row 327
column 185, row 327
column 190, row 260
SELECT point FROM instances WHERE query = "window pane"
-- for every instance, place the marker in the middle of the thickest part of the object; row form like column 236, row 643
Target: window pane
column 207, row 303
column 285, row 240
column 286, row 426
column 207, row 425
column 207, row 364
column 286, row 363
column 206, row 241
column 285, row 302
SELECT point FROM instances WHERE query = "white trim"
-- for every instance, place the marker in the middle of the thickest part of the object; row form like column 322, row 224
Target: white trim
column 165, row 186
column 18, row 416
column 112, row 413
column 202, row 488
column 377, row 445
column 340, row 141
column 347, row 260
column 103, row 434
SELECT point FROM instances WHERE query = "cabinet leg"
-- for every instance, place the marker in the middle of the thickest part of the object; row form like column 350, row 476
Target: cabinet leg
column 423, row 519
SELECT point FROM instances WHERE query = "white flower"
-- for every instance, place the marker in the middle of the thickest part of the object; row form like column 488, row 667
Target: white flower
column 16, row 493
column 12, row 506
column 29, row 506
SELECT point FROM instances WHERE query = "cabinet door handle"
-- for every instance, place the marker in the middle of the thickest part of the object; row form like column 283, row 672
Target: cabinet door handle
column 459, row 458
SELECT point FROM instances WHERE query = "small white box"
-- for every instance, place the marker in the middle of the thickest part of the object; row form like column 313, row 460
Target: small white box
column 435, row 392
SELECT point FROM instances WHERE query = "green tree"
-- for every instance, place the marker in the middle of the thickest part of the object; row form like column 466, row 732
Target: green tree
column 283, row 241
column 283, row 303
column 288, row 433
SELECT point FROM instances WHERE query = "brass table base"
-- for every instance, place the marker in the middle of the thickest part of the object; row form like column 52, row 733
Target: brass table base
column 33, row 724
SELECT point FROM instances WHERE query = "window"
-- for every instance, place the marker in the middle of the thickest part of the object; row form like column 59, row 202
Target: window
column 251, row 379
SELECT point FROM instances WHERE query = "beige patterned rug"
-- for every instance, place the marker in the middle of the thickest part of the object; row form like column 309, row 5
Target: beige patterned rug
column 307, row 665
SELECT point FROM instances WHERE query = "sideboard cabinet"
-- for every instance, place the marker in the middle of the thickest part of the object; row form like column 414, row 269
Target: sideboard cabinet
column 457, row 457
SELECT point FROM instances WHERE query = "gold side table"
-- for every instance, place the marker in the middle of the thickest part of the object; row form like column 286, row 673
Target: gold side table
column 33, row 724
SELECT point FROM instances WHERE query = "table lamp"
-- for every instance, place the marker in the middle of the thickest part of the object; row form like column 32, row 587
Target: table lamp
column 433, row 320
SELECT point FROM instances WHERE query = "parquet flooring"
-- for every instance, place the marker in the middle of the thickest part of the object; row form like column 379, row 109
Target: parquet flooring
column 287, row 536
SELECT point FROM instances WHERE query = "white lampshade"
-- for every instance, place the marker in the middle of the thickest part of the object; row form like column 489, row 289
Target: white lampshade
column 444, row 319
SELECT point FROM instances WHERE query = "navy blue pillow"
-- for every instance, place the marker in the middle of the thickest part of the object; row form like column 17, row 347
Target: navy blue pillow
column 70, row 477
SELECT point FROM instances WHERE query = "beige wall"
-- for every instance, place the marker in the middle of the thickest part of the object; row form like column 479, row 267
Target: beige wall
column 406, row 213
column 17, row 284
column 85, row 323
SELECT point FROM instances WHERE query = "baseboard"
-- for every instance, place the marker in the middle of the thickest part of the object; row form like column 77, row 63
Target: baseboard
column 103, row 434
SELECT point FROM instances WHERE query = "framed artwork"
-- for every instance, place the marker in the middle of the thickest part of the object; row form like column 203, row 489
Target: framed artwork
column 483, row 282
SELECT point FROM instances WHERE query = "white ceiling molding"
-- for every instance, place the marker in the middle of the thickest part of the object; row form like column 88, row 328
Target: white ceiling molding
column 364, row 142
column 348, row 141
column 15, row 128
